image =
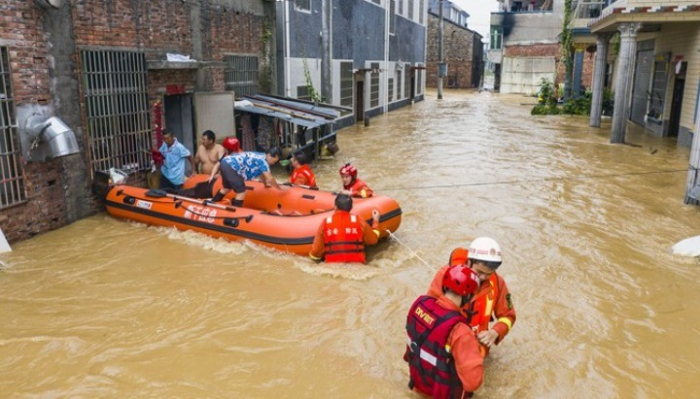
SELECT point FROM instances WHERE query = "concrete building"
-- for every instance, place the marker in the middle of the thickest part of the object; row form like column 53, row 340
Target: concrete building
column 524, row 44
column 101, row 67
column 365, row 55
column 463, row 49
column 657, row 78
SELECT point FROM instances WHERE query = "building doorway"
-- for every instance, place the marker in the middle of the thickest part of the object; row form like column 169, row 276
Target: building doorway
column 178, row 111
column 674, row 122
column 359, row 98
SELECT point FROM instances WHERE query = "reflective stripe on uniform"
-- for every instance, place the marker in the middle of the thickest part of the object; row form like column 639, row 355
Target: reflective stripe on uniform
column 506, row 321
column 423, row 354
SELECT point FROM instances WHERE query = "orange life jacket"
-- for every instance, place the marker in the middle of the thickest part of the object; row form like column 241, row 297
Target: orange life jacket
column 343, row 238
column 359, row 189
column 305, row 171
column 482, row 306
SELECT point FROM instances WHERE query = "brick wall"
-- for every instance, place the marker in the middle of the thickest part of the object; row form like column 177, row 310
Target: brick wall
column 154, row 27
column 458, row 52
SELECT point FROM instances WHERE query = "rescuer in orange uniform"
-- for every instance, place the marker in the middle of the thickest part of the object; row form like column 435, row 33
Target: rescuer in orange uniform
column 342, row 237
column 484, row 257
column 442, row 350
column 353, row 186
column 302, row 174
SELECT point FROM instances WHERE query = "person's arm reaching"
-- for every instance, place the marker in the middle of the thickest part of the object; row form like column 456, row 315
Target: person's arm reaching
column 318, row 248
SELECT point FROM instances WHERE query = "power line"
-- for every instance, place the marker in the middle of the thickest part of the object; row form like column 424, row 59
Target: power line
column 579, row 177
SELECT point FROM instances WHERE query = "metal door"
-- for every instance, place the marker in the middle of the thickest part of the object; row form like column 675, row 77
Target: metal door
column 642, row 81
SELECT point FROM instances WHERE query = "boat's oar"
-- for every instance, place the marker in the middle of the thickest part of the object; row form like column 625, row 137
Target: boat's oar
column 158, row 193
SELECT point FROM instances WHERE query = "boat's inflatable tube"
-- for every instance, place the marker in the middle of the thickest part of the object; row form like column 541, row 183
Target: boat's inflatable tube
column 286, row 220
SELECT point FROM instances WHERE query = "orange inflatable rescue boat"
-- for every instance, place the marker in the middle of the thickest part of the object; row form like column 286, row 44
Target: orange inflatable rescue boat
column 286, row 220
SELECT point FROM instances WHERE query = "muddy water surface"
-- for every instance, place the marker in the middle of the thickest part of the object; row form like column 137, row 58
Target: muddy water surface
column 105, row 308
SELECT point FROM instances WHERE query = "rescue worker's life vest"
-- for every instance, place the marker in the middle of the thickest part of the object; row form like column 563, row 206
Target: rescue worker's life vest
column 305, row 171
column 343, row 238
column 359, row 189
column 431, row 365
column 481, row 307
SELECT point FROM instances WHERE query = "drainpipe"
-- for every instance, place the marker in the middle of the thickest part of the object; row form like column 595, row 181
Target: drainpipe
column 327, row 57
column 287, row 50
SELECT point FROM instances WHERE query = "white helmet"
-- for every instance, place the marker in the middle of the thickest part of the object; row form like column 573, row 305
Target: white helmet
column 486, row 250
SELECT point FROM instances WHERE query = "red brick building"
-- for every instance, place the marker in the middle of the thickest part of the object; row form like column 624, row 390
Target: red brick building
column 101, row 67
column 463, row 52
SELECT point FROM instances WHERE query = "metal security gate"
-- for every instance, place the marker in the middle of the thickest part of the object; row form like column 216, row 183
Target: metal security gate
column 12, row 189
column 115, row 90
column 642, row 84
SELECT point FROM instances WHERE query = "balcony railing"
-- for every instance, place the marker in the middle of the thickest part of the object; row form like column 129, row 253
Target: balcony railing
column 589, row 9
column 525, row 6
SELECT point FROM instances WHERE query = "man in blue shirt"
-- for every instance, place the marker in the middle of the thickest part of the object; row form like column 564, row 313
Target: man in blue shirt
column 236, row 168
column 174, row 154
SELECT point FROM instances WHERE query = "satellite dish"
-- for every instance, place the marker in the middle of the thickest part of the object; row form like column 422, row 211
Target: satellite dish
column 50, row 4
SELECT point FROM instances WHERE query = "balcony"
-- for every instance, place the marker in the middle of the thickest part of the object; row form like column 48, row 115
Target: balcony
column 525, row 6
column 585, row 11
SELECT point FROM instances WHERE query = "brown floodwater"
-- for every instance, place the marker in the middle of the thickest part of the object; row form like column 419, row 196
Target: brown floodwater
column 112, row 309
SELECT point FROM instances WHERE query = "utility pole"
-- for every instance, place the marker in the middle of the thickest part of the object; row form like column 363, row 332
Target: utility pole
column 441, row 62
column 326, row 84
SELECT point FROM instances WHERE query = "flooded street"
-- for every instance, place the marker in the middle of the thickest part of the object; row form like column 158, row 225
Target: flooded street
column 110, row 309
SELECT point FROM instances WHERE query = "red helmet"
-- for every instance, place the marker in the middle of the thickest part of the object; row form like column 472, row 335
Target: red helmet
column 231, row 144
column 349, row 169
column 461, row 280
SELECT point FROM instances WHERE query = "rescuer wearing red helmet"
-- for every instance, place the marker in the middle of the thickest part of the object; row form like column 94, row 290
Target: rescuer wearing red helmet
column 353, row 186
column 342, row 237
column 492, row 298
column 208, row 153
column 442, row 351
column 231, row 145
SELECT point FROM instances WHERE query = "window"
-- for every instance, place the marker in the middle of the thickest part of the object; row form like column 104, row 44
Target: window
column 392, row 16
column 374, row 86
column 116, row 109
column 410, row 9
column 302, row 5
column 398, row 85
column 419, row 85
column 241, row 74
column 346, row 84
column 422, row 10
column 658, row 90
column 12, row 190
column 303, row 93
column 400, row 7
column 496, row 38
column 407, row 82
column 390, row 89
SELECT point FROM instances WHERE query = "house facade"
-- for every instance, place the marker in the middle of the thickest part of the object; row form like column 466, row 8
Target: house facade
column 463, row 50
column 102, row 69
column 366, row 55
column 524, row 44
column 657, row 72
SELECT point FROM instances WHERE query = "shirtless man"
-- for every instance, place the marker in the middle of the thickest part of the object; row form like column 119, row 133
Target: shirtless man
column 208, row 153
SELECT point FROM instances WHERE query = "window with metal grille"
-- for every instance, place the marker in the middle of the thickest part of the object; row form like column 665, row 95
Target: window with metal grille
column 392, row 16
column 390, row 89
column 304, row 5
column 115, row 88
column 374, row 86
column 400, row 7
column 407, row 82
column 346, row 84
column 241, row 74
column 12, row 190
column 410, row 9
column 303, row 93
column 398, row 85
